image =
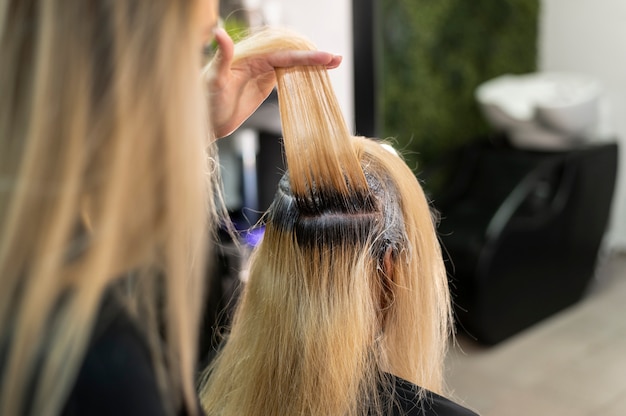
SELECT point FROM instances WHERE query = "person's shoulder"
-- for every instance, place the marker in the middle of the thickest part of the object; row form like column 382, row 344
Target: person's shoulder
column 416, row 401
column 117, row 375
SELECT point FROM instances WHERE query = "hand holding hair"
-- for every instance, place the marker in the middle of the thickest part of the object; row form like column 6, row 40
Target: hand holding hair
column 238, row 87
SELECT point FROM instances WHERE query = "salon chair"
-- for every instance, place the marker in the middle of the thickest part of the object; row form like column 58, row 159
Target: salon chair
column 521, row 231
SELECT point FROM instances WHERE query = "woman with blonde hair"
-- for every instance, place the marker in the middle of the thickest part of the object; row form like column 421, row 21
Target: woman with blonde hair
column 347, row 309
column 106, row 197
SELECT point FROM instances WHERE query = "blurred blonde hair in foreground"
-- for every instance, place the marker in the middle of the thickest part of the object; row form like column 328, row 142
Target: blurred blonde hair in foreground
column 348, row 284
column 103, row 170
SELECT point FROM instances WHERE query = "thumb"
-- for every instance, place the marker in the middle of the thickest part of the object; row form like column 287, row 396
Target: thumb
column 220, row 65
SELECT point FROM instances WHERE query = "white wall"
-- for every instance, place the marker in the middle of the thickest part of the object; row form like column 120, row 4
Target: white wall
column 328, row 23
column 589, row 36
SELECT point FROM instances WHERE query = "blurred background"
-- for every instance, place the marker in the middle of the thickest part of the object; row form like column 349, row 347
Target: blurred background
column 513, row 115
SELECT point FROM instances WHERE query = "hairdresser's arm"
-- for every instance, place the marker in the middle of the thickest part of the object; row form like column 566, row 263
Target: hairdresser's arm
column 236, row 90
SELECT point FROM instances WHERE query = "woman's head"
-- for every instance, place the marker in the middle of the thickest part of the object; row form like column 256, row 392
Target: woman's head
column 103, row 167
column 384, row 244
column 348, row 284
column 340, row 293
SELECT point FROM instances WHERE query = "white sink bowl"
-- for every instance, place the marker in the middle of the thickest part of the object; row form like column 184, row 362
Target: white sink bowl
column 543, row 109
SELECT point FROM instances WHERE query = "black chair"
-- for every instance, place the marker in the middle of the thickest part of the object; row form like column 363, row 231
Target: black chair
column 522, row 230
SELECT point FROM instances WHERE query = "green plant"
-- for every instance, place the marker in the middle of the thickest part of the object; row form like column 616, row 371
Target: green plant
column 433, row 54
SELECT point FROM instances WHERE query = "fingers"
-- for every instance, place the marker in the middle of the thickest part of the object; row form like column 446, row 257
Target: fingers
column 335, row 62
column 226, row 50
column 303, row 58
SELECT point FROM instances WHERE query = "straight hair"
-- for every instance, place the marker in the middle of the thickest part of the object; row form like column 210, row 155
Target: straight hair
column 104, row 172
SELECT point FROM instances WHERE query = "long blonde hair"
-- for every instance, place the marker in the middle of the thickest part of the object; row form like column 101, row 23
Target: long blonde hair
column 103, row 170
column 348, row 284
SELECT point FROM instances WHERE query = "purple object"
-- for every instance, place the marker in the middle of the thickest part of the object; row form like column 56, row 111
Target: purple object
column 254, row 236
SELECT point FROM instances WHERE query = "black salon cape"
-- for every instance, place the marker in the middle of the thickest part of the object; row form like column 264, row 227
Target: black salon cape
column 406, row 403
column 117, row 377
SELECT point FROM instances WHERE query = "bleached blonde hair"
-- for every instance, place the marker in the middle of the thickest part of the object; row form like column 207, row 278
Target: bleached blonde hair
column 103, row 170
column 348, row 284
